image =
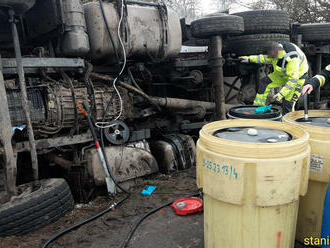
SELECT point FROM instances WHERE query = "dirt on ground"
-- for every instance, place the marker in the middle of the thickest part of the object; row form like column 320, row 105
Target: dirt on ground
column 111, row 229
column 164, row 229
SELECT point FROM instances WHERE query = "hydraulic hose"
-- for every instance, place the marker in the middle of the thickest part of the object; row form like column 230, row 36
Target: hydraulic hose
column 109, row 31
column 76, row 226
column 138, row 223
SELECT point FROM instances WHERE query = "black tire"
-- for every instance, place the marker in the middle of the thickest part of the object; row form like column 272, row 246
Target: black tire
column 253, row 44
column 217, row 25
column 265, row 21
column 196, row 42
column 32, row 211
column 315, row 32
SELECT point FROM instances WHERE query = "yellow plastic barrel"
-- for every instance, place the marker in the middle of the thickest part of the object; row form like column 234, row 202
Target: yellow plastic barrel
column 251, row 190
column 311, row 207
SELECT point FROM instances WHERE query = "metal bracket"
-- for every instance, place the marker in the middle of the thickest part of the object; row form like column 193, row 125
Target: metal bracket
column 52, row 142
column 312, row 49
column 33, row 65
column 55, row 142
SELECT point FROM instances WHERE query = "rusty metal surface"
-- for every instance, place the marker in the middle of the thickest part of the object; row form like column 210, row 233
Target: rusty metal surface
column 126, row 162
column 53, row 106
column 175, row 103
column 55, row 142
column 181, row 104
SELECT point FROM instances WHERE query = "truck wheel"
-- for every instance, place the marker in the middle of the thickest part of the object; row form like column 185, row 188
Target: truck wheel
column 265, row 21
column 252, row 44
column 217, row 25
column 32, row 210
column 315, row 32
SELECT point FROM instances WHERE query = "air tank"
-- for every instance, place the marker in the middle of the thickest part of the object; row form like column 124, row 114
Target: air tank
column 149, row 31
column 75, row 40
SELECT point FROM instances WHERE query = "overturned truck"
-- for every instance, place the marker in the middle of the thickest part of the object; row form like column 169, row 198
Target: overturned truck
column 119, row 62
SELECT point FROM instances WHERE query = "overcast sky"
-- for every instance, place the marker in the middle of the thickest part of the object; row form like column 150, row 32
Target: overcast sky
column 207, row 8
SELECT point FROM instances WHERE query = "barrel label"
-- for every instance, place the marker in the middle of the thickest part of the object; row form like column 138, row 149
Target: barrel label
column 317, row 164
column 223, row 170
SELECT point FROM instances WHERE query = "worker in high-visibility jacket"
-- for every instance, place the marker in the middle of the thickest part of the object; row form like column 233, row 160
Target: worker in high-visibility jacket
column 317, row 81
column 290, row 68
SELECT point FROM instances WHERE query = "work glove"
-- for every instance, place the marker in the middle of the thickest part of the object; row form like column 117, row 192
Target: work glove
column 308, row 88
column 278, row 97
column 244, row 59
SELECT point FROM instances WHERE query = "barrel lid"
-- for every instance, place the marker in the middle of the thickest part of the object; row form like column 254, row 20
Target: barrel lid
column 249, row 112
column 253, row 135
column 188, row 206
column 315, row 121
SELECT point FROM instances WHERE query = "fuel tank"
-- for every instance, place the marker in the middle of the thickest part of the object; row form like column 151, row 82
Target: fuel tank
column 149, row 31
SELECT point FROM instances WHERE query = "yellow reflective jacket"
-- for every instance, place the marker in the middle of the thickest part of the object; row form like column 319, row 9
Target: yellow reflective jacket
column 289, row 67
column 321, row 79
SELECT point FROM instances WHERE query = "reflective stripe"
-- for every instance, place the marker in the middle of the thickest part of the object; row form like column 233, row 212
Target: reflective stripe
column 259, row 103
column 265, row 58
column 259, row 59
column 321, row 79
column 289, row 87
column 327, row 68
column 300, row 55
column 260, row 100
column 288, row 55
column 294, row 81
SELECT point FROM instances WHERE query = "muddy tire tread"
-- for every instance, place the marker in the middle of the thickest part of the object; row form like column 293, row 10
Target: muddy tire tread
column 40, row 209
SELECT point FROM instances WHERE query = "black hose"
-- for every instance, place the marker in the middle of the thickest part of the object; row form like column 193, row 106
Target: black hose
column 74, row 227
column 133, row 79
column 109, row 31
column 306, row 106
column 138, row 223
column 84, row 222
column 105, row 154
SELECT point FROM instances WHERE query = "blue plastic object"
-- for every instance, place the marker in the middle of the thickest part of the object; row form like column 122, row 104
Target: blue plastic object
column 264, row 110
column 19, row 128
column 148, row 190
column 326, row 219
